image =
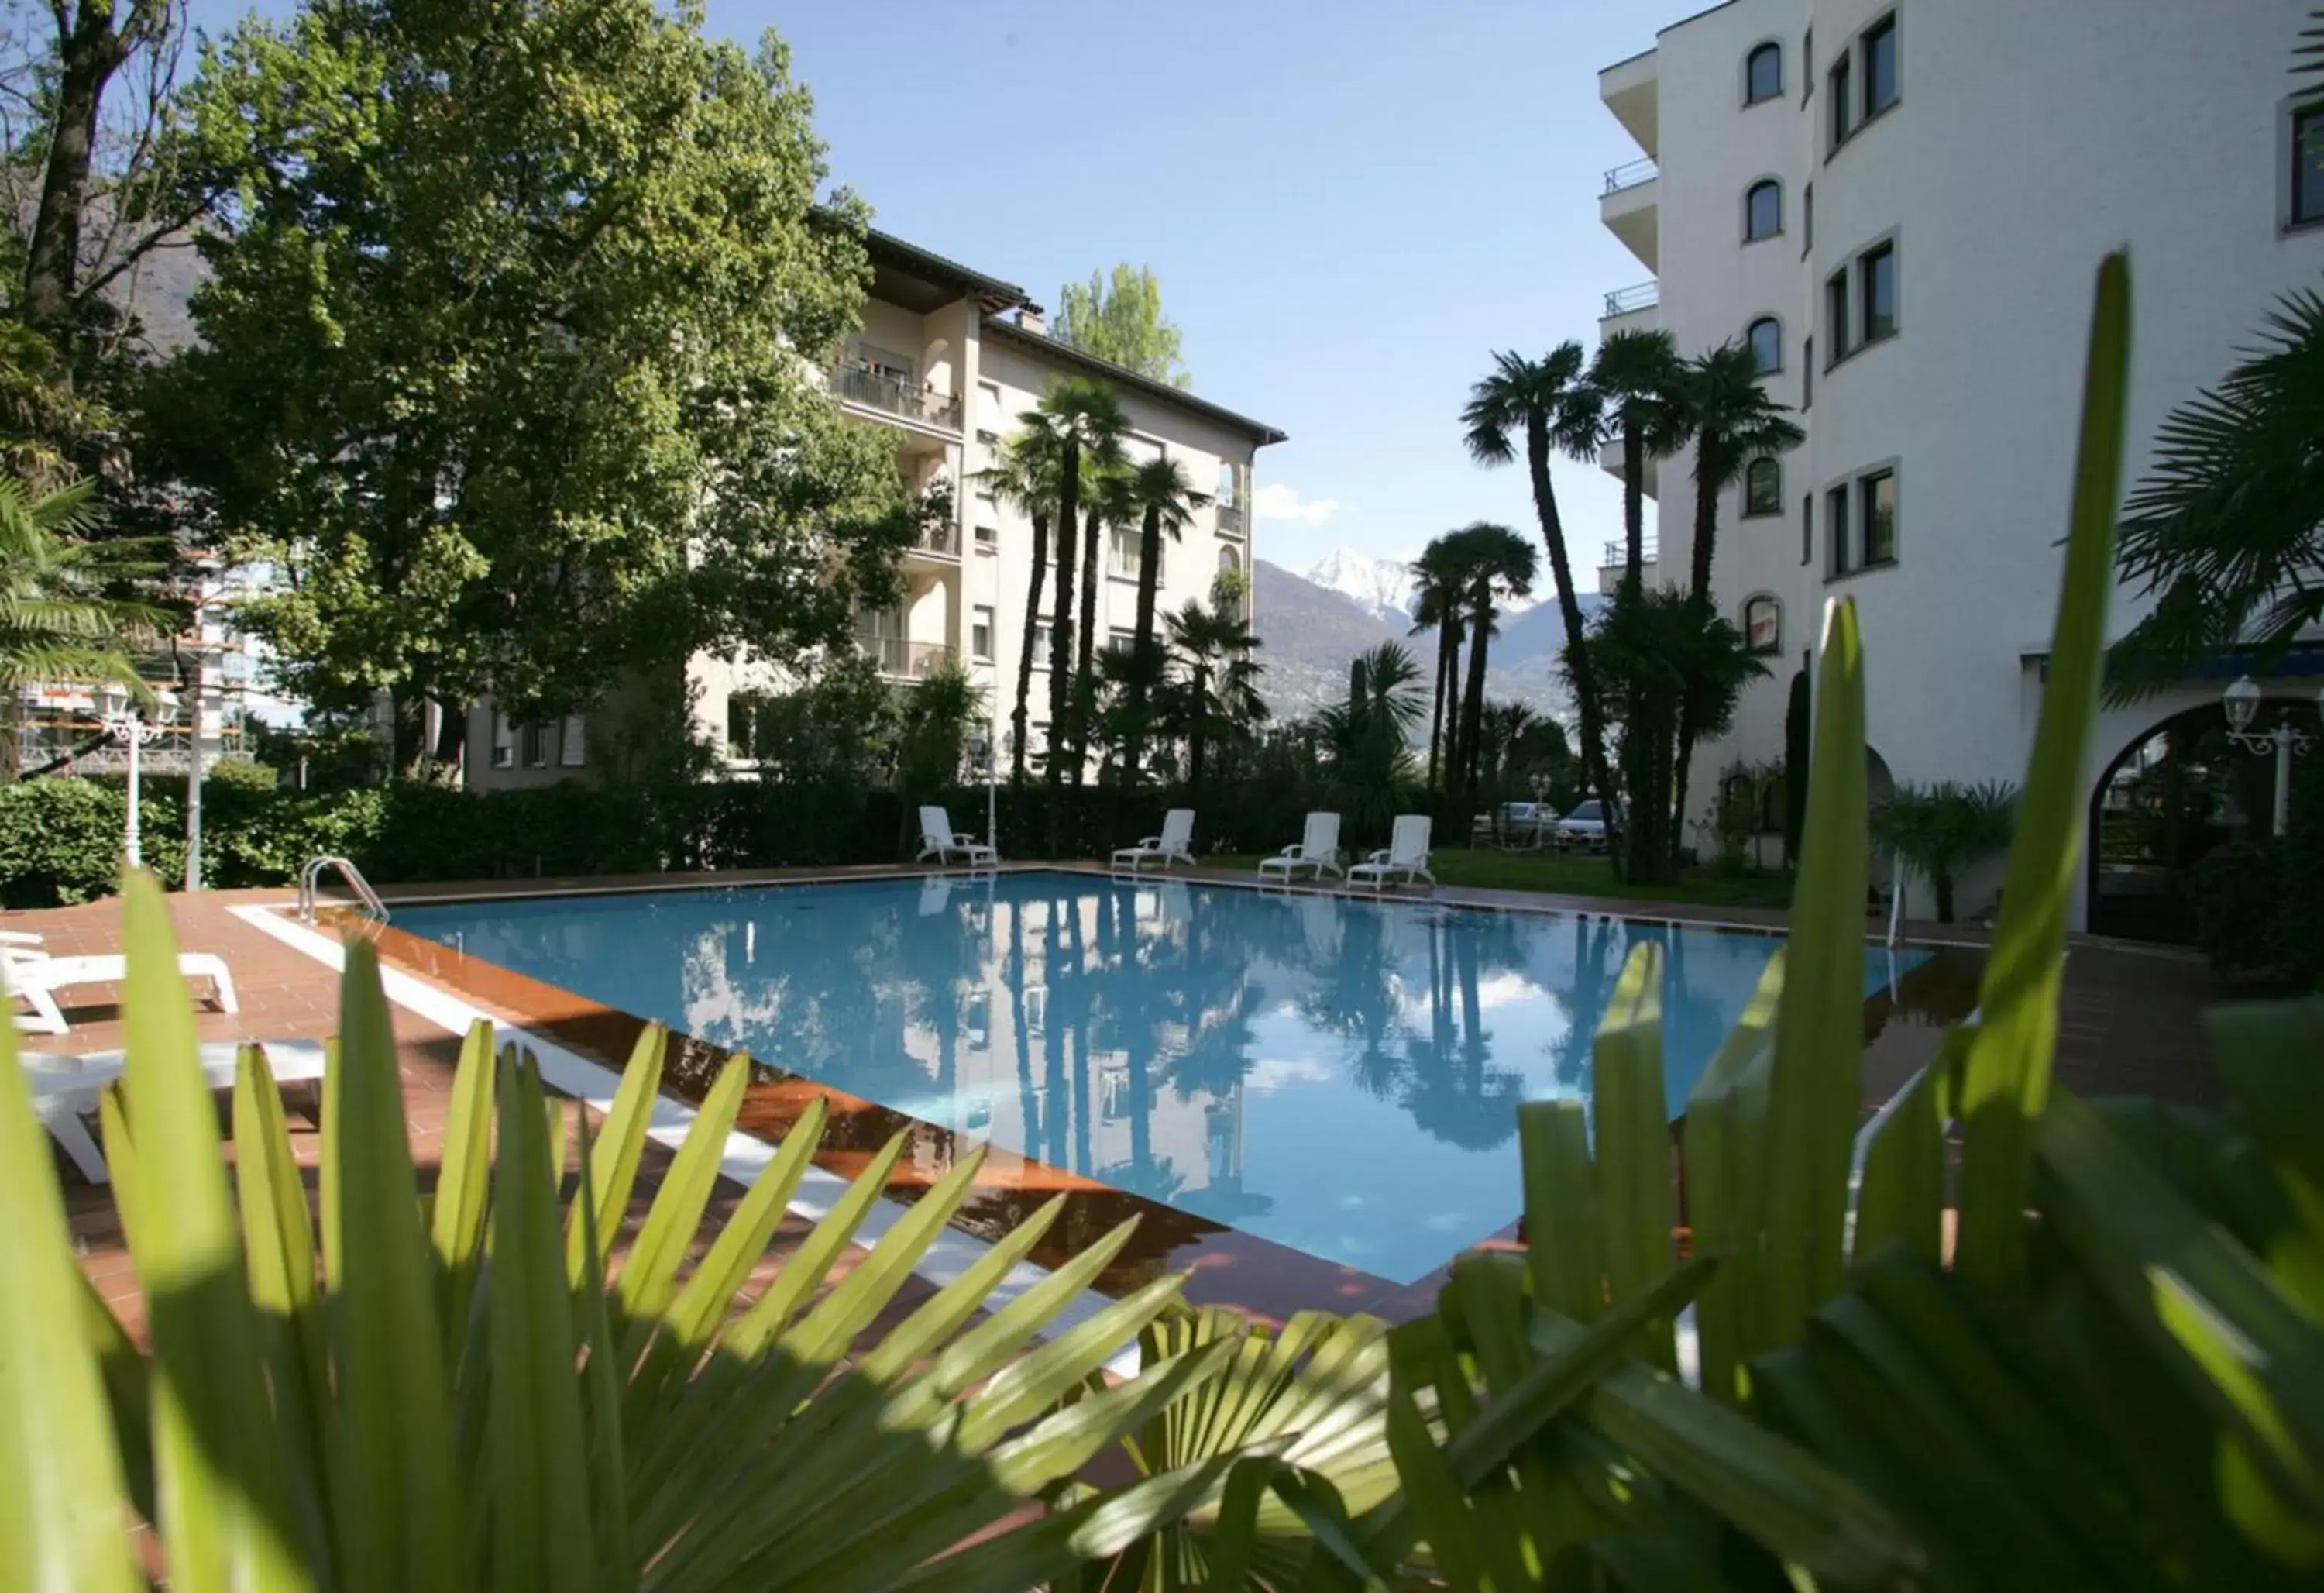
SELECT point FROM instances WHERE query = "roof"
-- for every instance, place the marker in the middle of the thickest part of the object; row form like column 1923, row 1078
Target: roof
column 1008, row 331
column 890, row 253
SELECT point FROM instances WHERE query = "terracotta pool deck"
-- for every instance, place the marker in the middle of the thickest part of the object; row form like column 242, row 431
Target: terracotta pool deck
column 2130, row 1025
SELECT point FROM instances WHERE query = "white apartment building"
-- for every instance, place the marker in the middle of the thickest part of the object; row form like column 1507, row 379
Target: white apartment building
column 1901, row 204
column 946, row 359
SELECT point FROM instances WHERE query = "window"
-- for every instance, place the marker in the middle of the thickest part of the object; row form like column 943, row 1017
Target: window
column 1763, row 487
column 1766, row 336
column 1763, row 623
column 739, row 706
column 988, row 415
column 1124, row 553
column 1763, row 74
column 1807, row 220
column 1843, row 102
column 979, row 634
column 987, row 539
column 504, row 742
column 1762, row 210
column 1228, row 497
column 1228, row 563
column 1876, row 498
column 881, row 362
column 572, row 742
column 2307, row 166
column 1040, row 643
column 1835, row 315
column 1807, row 66
column 1879, row 66
column 1875, row 274
column 534, row 740
column 1807, row 375
column 1835, row 519
column 1807, row 528
column 1120, row 639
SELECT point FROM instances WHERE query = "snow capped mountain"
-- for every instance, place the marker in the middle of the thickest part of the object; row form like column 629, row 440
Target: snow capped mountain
column 1381, row 588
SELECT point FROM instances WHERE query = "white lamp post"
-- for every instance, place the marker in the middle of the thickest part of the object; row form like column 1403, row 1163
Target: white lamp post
column 126, row 723
column 982, row 746
column 2242, row 702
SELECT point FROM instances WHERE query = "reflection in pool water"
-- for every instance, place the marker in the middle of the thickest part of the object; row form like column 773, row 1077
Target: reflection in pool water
column 1338, row 1076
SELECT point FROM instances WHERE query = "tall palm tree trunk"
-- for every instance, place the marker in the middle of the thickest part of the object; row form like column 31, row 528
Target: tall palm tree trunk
column 1633, row 505
column 1061, row 640
column 1085, row 682
column 1569, row 608
column 1448, row 665
column 1017, row 717
column 1709, row 469
column 1141, row 647
column 1472, row 711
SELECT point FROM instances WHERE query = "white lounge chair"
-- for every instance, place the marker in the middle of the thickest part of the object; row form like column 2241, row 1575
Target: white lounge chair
column 64, row 1087
column 1405, row 857
column 1318, row 851
column 1175, row 844
column 940, row 842
column 36, row 976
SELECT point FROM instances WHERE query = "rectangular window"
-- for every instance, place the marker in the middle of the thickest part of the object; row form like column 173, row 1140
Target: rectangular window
column 1843, row 101
column 1807, row 66
column 1807, row 528
column 1875, row 496
column 1879, row 66
column 1118, row 639
column 989, row 414
column 1807, row 219
column 572, row 742
column 979, row 634
column 1040, row 643
column 1807, row 377
column 884, row 361
column 1227, row 496
column 1124, row 553
column 1835, row 315
column 987, row 539
column 504, row 742
column 738, row 724
column 534, row 739
column 1876, row 271
column 1835, row 517
column 2307, row 166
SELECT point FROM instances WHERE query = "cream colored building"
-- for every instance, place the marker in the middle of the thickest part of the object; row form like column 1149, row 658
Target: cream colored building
column 946, row 359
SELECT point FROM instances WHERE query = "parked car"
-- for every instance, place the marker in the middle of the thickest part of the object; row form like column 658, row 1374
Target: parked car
column 1583, row 826
column 1517, row 824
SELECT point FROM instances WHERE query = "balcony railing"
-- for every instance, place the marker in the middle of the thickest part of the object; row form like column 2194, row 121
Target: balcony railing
column 943, row 541
column 1644, row 295
column 1619, row 553
column 904, row 660
column 1229, row 520
column 911, row 400
column 1631, row 175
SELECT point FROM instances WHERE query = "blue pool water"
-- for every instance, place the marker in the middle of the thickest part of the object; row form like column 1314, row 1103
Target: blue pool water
column 1341, row 1077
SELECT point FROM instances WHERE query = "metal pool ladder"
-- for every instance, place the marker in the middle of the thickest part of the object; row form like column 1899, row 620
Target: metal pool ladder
column 310, row 879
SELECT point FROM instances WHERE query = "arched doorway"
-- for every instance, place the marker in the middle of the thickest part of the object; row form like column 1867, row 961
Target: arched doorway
column 2172, row 798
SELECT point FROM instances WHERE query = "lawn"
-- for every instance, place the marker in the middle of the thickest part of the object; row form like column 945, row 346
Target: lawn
column 1566, row 874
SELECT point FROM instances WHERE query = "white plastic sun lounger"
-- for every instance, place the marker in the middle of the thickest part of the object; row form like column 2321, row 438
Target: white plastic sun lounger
column 66, row 1087
column 35, row 976
column 1318, row 851
column 1405, row 858
column 940, row 842
column 1175, row 844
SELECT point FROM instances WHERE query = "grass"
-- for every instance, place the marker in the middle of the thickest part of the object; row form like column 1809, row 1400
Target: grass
column 1564, row 875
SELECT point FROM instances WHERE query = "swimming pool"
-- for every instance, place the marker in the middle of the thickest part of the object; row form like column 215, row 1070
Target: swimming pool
column 1337, row 1076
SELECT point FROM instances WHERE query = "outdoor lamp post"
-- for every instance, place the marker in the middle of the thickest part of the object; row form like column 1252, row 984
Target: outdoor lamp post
column 2242, row 702
column 128, row 724
column 980, row 754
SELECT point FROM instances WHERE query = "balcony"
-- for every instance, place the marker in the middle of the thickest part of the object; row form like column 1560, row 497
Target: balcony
column 1650, row 482
column 1229, row 520
column 914, row 402
column 1632, row 91
column 1610, row 563
column 941, row 542
column 1629, row 206
column 901, row 660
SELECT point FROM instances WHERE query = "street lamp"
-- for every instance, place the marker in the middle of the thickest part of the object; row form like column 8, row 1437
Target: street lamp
column 2242, row 702
column 981, row 746
column 126, row 723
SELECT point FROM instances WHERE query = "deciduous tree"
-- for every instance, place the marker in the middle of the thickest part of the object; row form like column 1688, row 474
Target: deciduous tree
column 1120, row 318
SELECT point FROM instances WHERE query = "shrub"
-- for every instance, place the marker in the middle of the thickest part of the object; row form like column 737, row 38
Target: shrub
column 2259, row 910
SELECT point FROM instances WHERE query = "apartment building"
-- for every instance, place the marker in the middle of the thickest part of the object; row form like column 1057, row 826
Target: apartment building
column 945, row 360
column 1900, row 205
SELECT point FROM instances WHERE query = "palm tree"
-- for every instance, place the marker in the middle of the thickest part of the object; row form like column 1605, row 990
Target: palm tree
column 1636, row 374
column 1722, row 405
column 1083, row 417
column 1219, row 695
column 1438, row 583
column 1555, row 411
column 1370, row 737
column 1942, row 830
column 2227, row 530
column 1165, row 503
column 1506, row 724
column 1025, row 478
column 1105, row 492
column 57, row 621
column 1499, row 563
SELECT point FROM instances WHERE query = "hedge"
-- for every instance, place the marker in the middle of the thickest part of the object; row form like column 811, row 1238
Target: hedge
column 60, row 838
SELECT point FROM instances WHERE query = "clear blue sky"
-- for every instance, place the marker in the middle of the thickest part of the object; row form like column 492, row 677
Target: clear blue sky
column 1349, row 203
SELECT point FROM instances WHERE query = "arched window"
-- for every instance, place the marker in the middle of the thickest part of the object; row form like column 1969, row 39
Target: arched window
column 1766, row 336
column 1763, row 486
column 1762, row 210
column 1763, row 623
column 1229, row 562
column 1762, row 73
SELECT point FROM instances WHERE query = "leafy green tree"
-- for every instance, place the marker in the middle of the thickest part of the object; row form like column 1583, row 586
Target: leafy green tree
column 1548, row 405
column 1369, row 736
column 1166, row 502
column 1025, row 478
column 59, row 620
column 1939, row 830
column 937, row 713
column 499, row 352
column 1438, row 584
column 1217, row 698
column 1499, row 564
column 1121, row 319
column 1636, row 376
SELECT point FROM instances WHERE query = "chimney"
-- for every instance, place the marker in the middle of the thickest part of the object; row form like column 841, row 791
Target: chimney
column 1030, row 318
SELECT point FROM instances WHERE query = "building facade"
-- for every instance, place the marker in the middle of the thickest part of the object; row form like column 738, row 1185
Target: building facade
column 946, row 360
column 1901, row 204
